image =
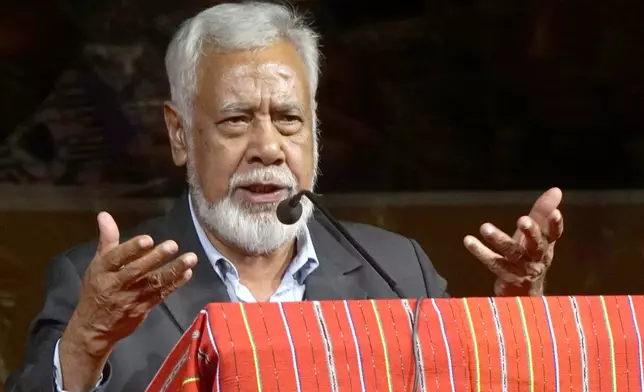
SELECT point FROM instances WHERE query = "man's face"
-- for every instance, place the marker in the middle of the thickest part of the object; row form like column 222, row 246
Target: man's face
column 252, row 109
column 251, row 141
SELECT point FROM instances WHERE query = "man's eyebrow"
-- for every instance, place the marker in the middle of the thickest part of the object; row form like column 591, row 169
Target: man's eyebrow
column 288, row 107
column 232, row 106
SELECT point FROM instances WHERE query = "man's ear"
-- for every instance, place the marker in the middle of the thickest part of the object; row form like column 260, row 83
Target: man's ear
column 176, row 133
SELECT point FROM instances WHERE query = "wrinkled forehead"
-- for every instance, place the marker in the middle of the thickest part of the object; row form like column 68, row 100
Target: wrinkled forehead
column 270, row 77
column 277, row 71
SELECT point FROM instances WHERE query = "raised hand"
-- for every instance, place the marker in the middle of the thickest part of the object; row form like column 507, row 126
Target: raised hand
column 520, row 262
column 121, row 285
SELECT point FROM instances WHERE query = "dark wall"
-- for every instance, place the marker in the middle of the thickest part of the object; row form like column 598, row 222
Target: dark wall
column 446, row 94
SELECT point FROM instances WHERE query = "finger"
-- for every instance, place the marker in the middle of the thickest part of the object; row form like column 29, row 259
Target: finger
column 128, row 251
column 135, row 270
column 545, row 204
column 501, row 243
column 154, row 298
column 108, row 238
column 492, row 260
column 555, row 226
column 535, row 243
column 535, row 269
column 163, row 281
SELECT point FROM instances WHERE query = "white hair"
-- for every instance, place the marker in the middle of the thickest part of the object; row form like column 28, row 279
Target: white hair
column 254, row 229
column 230, row 27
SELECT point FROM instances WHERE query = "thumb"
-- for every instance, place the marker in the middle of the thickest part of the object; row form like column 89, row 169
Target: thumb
column 108, row 233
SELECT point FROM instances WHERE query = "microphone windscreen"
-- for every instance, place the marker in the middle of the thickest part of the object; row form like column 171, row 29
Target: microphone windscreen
column 288, row 215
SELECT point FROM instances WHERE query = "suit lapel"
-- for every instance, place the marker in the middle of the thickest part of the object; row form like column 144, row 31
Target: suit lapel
column 337, row 275
column 340, row 274
column 205, row 286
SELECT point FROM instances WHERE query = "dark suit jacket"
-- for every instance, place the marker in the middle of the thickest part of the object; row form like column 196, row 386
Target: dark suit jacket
column 342, row 274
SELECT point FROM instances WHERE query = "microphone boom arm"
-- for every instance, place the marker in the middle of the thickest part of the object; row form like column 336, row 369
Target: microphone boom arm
column 295, row 200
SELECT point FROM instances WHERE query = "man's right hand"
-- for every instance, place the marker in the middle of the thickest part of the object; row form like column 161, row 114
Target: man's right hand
column 122, row 284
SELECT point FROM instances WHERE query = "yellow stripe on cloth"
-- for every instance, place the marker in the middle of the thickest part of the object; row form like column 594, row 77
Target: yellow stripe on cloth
column 384, row 346
column 526, row 335
column 611, row 342
column 474, row 343
column 189, row 380
column 252, row 345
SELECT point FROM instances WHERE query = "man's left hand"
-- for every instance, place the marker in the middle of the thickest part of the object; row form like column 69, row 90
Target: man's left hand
column 520, row 262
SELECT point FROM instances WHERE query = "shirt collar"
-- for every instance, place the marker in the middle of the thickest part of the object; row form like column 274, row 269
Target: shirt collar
column 302, row 265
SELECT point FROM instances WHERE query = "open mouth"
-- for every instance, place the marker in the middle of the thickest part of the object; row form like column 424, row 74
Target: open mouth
column 263, row 193
column 262, row 188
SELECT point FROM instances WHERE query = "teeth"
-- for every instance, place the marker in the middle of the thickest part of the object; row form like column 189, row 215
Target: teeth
column 262, row 188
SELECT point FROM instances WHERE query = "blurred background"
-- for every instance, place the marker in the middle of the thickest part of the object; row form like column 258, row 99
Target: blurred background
column 437, row 115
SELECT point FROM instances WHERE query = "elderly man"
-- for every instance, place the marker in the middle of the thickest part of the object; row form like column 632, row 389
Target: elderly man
column 243, row 120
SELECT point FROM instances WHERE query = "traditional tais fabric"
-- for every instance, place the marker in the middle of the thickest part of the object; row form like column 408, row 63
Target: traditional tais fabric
column 580, row 344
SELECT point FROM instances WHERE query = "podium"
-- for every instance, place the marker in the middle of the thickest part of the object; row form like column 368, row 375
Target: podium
column 532, row 344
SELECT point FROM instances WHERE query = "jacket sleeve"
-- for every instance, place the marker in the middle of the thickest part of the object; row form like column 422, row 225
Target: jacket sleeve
column 435, row 284
column 62, row 290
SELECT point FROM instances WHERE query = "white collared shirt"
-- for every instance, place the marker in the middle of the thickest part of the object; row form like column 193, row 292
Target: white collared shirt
column 293, row 284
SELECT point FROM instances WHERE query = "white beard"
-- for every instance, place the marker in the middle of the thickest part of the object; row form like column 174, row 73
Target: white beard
column 252, row 228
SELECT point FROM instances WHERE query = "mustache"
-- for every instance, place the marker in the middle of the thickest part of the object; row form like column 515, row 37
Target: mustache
column 281, row 177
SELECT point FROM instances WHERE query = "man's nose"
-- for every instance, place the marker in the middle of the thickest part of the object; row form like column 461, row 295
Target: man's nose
column 265, row 146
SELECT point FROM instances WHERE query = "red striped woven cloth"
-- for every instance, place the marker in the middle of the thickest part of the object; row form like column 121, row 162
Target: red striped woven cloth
column 535, row 344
